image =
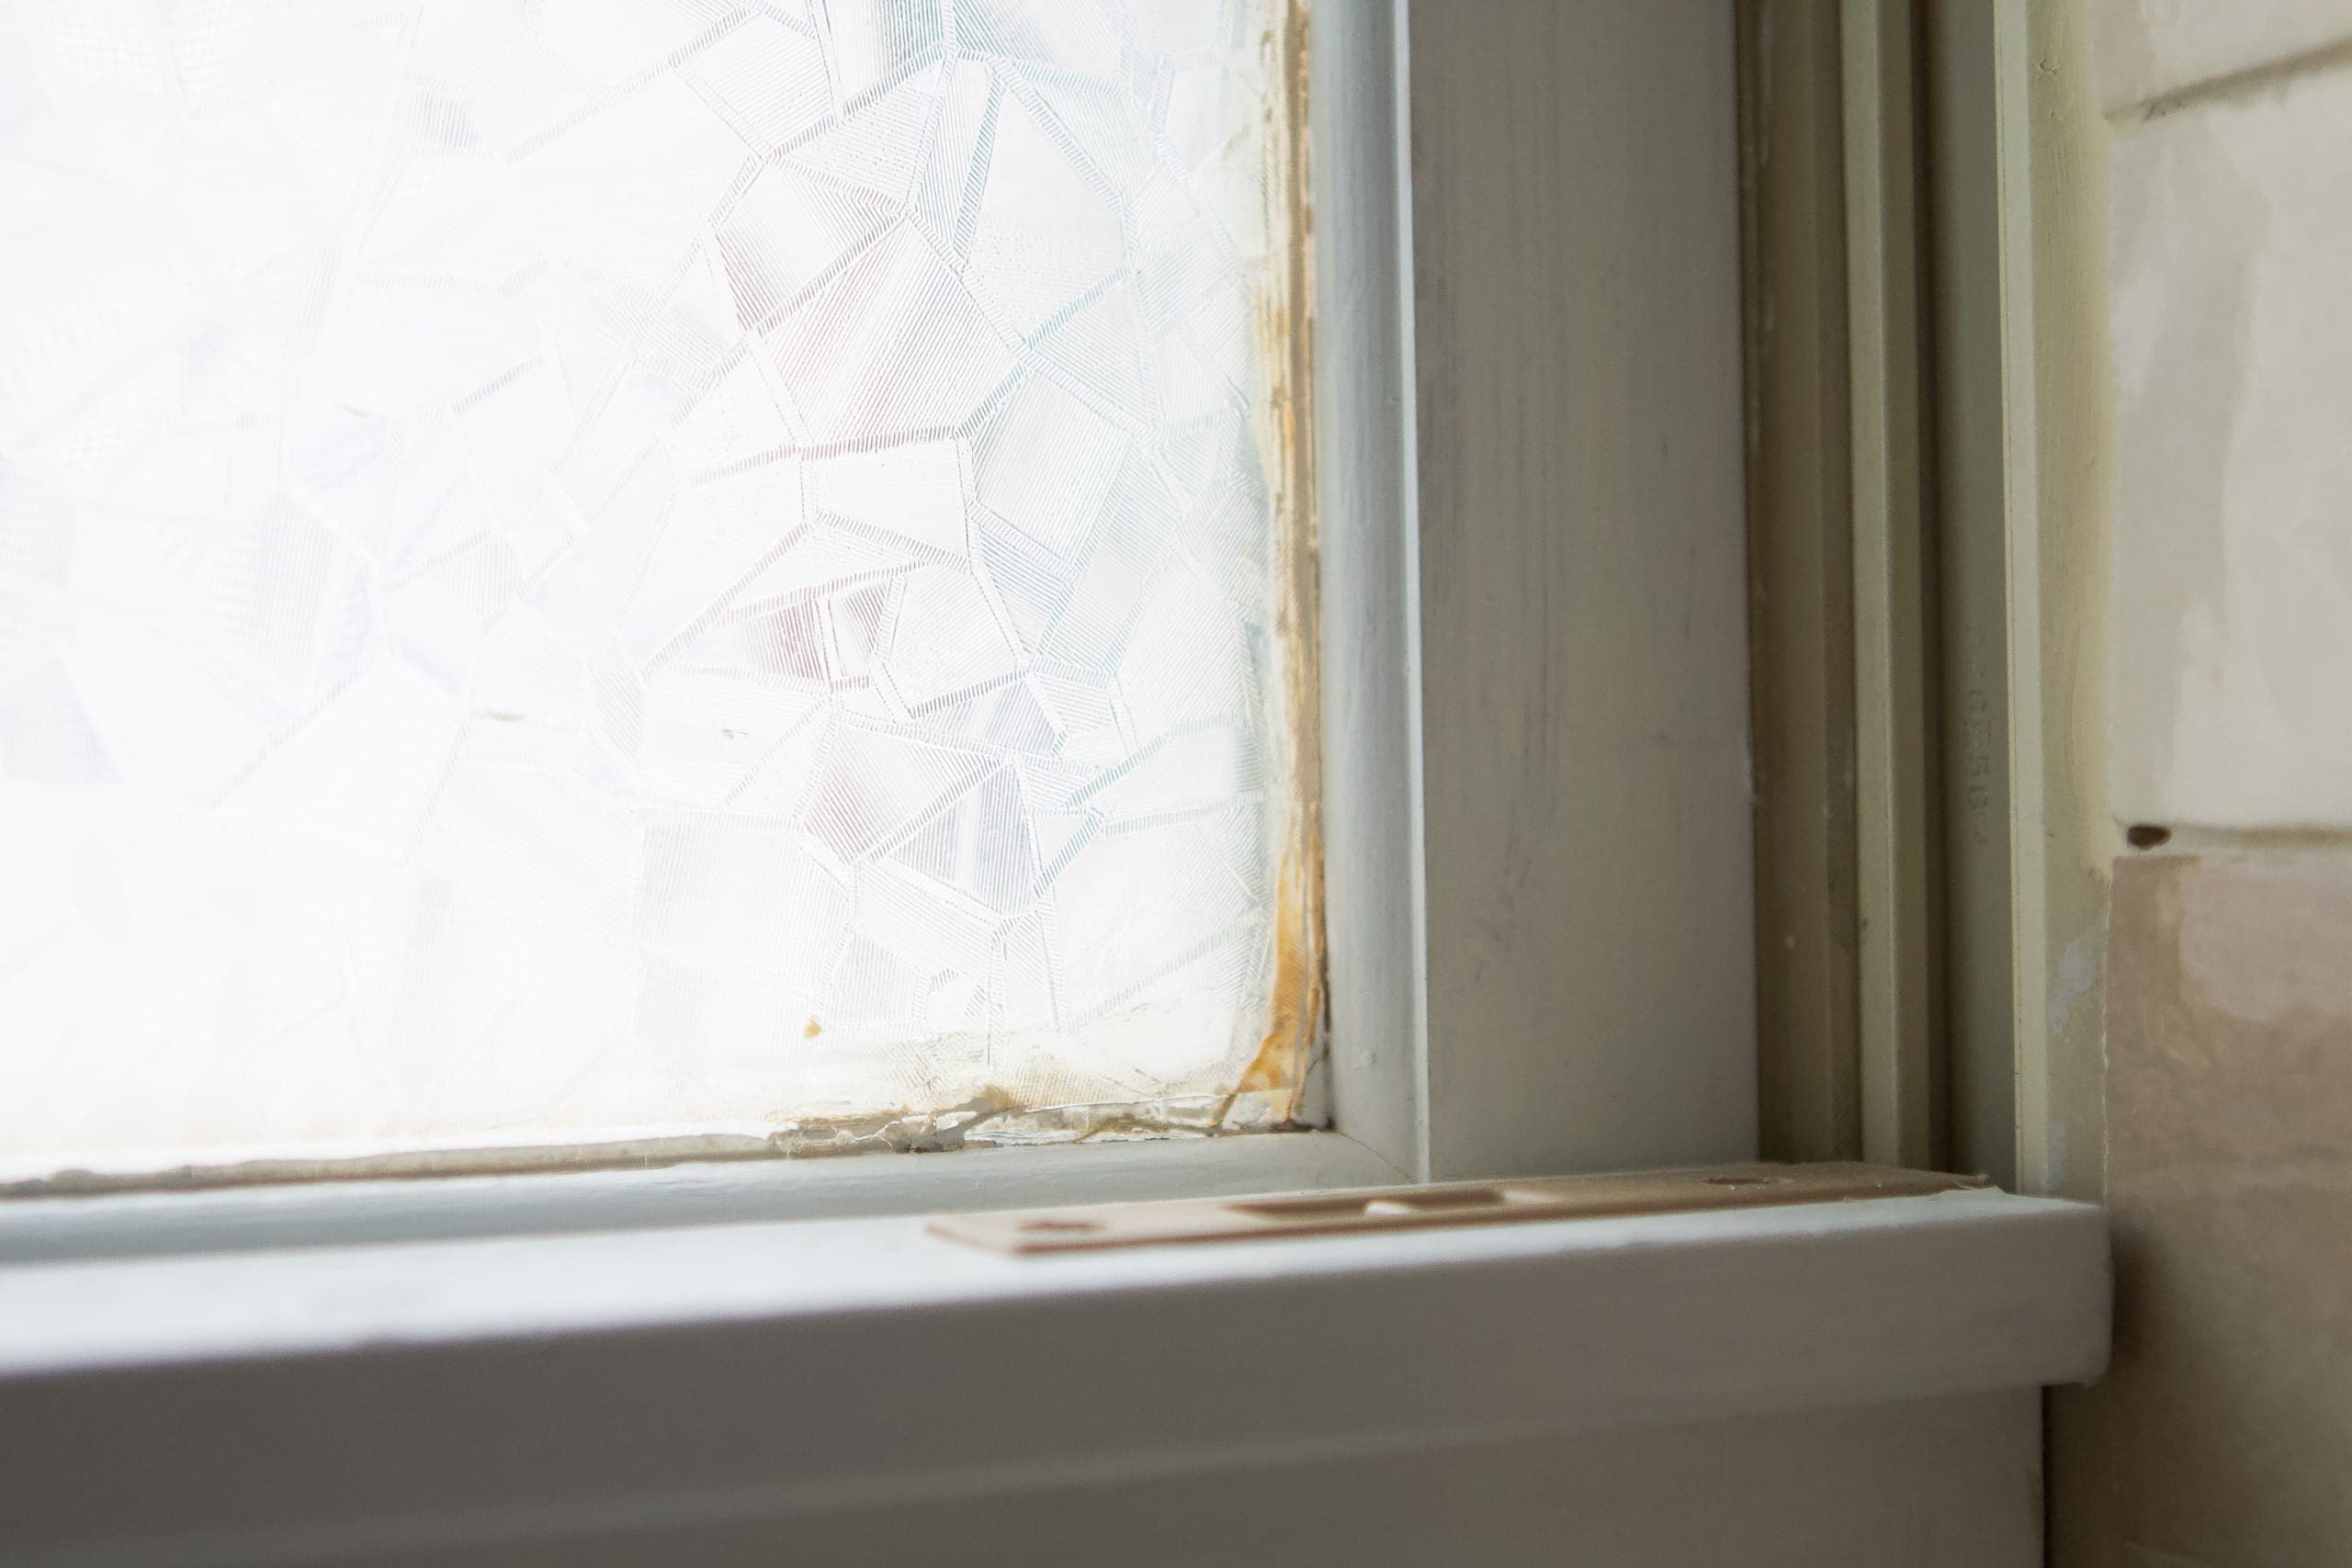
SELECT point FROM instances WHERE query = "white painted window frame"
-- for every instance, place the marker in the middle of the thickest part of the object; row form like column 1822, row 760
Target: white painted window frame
column 1530, row 975
column 1588, row 1007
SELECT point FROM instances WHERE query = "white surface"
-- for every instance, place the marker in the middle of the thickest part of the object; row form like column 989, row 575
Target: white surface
column 82, row 1316
column 2151, row 48
column 1582, row 552
column 2231, row 240
column 1374, row 915
column 1925, row 1483
column 540, row 1384
column 1533, row 549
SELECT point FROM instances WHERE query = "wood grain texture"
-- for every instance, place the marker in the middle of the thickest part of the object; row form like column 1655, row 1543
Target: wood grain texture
column 1591, row 976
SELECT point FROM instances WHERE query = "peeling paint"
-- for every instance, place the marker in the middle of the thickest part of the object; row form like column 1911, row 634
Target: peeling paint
column 1285, row 342
column 992, row 1119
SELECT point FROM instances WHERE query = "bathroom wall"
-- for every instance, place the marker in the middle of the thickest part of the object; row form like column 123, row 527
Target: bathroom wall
column 2223, row 1434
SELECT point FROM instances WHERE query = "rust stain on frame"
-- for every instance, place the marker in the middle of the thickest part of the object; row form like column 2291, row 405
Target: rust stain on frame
column 1286, row 344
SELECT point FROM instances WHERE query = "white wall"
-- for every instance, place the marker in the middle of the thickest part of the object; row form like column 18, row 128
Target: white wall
column 2229, row 267
column 2150, row 50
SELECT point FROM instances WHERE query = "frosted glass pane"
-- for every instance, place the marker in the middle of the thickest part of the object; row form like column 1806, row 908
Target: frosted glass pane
column 611, row 569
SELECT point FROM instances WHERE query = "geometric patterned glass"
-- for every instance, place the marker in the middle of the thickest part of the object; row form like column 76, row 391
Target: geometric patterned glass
column 592, row 570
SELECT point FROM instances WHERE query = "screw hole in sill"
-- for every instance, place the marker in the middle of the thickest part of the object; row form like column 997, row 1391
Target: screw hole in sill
column 2147, row 836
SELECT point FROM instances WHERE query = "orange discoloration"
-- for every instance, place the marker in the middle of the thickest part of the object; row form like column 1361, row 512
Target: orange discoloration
column 1285, row 342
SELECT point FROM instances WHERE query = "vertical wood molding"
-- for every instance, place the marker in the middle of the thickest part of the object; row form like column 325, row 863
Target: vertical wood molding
column 1584, row 636
column 1894, row 612
column 1801, row 579
column 1845, row 574
column 1371, row 718
column 1972, row 508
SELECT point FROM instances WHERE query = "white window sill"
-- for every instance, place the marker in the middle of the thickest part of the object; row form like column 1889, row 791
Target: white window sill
column 265, row 1405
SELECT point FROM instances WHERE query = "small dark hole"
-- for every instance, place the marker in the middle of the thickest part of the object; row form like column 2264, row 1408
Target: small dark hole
column 2147, row 836
column 1059, row 1227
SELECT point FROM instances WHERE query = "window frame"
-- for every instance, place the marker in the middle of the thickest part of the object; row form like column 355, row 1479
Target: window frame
column 630, row 1396
column 1526, row 1067
column 459, row 1315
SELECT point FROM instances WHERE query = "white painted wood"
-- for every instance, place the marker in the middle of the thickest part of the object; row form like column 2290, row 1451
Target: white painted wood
column 1931, row 1483
column 354, row 1213
column 1371, row 616
column 478, row 1395
column 1583, row 592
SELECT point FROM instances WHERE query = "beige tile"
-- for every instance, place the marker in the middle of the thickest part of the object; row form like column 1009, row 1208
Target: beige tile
column 2228, row 1409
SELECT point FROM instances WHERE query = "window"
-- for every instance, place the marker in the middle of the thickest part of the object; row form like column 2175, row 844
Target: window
column 1481, row 675
column 651, row 569
column 1533, row 784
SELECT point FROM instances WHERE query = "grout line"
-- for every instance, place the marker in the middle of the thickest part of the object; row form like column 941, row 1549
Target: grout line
column 2193, row 840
